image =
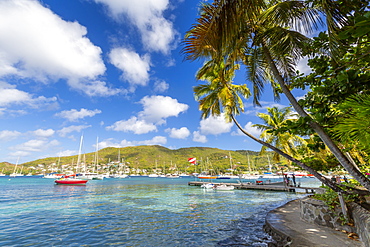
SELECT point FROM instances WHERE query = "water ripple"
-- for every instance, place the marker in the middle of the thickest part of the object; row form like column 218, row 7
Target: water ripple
column 132, row 212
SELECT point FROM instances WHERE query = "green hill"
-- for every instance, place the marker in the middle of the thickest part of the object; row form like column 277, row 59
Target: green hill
column 149, row 157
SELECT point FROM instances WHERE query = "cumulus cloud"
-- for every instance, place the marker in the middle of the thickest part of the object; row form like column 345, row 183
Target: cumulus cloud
column 35, row 145
column 46, row 48
column 214, row 125
column 157, row 108
column 12, row 96
column 198, row 137
column 44, row 133
column 157, row 33
column 74, row 115
column 157, row 140
column 133, row 124
column 181, row 133
column 67, row 153
column 94, row 87
column 160, row 86
column 135, row 68
column 250, row 129
column 8, row 135
column 73, row 128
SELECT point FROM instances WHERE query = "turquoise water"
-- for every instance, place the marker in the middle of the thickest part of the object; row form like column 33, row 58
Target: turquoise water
column 138, row 211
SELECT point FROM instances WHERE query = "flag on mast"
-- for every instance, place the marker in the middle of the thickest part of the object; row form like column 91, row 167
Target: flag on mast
column 192, row 160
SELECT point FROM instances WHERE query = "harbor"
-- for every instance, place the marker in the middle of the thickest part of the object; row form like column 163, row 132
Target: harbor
column 135, row 211
column 273, row 186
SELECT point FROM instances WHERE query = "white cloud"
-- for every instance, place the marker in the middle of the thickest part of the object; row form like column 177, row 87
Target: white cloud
column 157, row 108
column 303, row 67
column 74, row 115
column 46, row 48
column 108, row 143
column 250, row 129
column 12, row 96
column 197, row 137
column 35, row 145
column 157, row 33
column 215, row 125
column 67, row 153
column 181, row 133
column 133, row 124
column 135, row 68
column 73, row 128
column 44, row 133
column 157, row 140
column 94, row 87
column 7, row 135
column 161, row 86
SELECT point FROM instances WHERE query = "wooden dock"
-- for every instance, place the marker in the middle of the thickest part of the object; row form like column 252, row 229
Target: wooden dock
column 266, row 187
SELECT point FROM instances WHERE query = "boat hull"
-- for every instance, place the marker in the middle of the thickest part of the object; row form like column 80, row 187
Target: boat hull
column 207, row 177
column 71, row 182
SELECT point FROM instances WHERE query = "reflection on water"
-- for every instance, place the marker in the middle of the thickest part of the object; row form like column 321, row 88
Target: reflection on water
column 132, row 212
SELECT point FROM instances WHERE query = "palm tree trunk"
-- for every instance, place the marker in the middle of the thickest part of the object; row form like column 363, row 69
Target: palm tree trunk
column 343, row 160
column 323, row 179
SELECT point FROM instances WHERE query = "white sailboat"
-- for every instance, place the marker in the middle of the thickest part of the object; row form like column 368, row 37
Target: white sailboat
column 154, row 175
column 119, row 173
column 15, row 173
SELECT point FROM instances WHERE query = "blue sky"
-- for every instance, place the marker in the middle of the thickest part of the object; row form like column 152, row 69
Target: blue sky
column 106, row 69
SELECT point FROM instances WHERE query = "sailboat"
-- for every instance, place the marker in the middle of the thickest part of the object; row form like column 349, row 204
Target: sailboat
column 207, row 174
column 154, row 175
column 15, row 173
column 72, row 179
column 120, row 173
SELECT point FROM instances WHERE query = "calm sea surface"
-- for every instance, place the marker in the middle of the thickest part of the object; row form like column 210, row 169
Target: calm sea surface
column 136, row 211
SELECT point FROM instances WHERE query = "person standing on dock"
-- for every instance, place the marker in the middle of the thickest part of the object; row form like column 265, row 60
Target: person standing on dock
column 286, row 179
column 293, row 178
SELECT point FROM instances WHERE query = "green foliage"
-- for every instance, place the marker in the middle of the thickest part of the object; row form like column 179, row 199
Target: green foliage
column 331, row 198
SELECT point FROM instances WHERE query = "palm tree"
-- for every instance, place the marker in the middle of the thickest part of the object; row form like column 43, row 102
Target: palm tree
column 354, row 125
column 220, row 95
column 275, row 119
column 257, row 33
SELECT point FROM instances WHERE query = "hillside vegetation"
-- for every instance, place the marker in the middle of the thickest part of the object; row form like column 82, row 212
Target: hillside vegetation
column 150, row 157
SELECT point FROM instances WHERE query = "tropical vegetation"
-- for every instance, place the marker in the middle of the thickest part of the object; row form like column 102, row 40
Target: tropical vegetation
column 267, row 38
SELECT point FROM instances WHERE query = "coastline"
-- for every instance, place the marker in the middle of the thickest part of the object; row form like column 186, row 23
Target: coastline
column 285, row 226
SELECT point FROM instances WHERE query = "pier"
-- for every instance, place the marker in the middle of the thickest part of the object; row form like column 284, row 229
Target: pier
column 279, row 186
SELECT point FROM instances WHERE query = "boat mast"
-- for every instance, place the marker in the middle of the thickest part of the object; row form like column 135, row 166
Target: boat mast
column 96, row 155
column 249, row 164
column 268, row 158
column 231, row 163
column 79, row 154
column 16, row 164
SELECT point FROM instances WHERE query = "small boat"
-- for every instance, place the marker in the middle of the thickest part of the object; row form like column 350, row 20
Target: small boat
column 207, row 186
column 227, row 176
column 172, row 176
column 223, row 187
column 207, row 176
column 71, row 180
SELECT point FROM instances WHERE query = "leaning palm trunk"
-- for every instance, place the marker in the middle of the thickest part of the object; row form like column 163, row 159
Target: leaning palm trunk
column 323, row 179
column 343, row 160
